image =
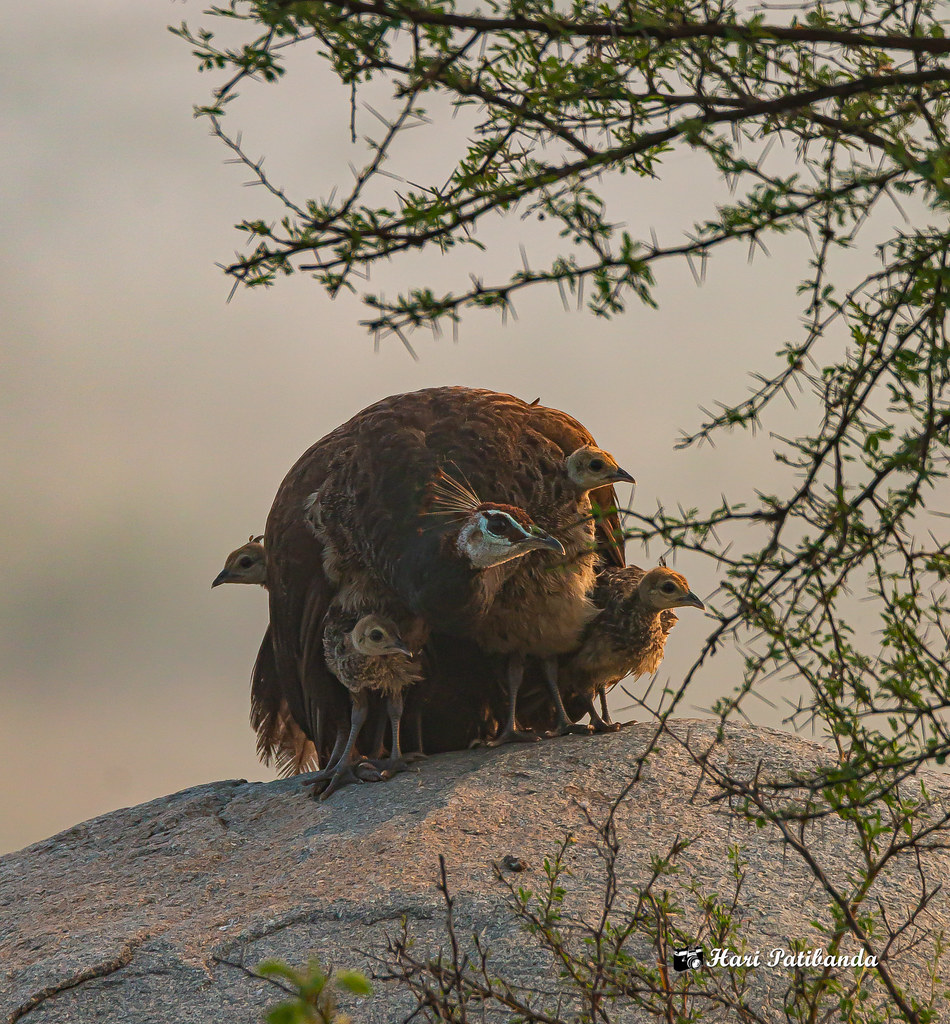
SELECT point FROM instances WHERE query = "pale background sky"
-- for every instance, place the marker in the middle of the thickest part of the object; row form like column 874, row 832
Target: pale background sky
column 147, row 423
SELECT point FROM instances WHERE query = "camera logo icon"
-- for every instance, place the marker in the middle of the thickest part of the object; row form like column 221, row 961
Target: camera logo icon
column 688, row 959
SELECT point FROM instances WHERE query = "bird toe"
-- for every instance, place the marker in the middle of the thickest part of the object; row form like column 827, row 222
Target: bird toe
column 571, row 729
column 514, row 736
column 318, row 782
column 368, row 771
column 395, row 767
column 344, row 776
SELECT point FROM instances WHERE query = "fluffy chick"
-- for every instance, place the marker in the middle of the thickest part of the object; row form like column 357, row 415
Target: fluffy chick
column 627, row 636
column 367, row 657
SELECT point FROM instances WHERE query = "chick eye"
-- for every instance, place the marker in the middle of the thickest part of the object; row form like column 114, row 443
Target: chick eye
column 246, row 562
column 376, row 635
column 668, row 588
column 596, row 465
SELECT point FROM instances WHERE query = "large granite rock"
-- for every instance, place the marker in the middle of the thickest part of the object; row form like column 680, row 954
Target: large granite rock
column 148, row 914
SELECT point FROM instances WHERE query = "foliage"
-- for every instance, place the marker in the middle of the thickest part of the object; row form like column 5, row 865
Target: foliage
column 567, row 96
column 314, row 993
column 562, row 99
column 615, row 960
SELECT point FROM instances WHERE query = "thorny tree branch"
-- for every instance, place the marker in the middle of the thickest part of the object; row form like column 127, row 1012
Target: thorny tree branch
column 556, row 102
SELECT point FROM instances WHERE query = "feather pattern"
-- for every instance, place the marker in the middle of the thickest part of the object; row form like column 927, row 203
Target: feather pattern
column 350, row 518
column 628, row 636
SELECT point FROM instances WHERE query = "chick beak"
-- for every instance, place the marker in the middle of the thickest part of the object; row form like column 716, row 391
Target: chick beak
column 621, row 476
column 400, row 648
column 223, row 577
column 692, row 600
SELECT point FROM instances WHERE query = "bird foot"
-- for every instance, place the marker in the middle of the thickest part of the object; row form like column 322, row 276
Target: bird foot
column 513, row 736
column 385, row 764
column 570, row 729
column 609, row 726
column 407, row 759
column 318, row 781
column 329, row 781
column 397, row 766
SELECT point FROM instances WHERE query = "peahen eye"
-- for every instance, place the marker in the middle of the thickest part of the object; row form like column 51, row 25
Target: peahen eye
column 376, row 635
column 246, row 562
column 495, row 526
column 668, row 588
column 596, row 465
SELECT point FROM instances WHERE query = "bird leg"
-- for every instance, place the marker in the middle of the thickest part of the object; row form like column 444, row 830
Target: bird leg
column 510, row 733
column 342, row 771
column 333, row 760
column 338, row 746
column 604, row 710
column 564, row 725
column 379, row 740
column 601, row 723
column 396, row 762
column 416, row 719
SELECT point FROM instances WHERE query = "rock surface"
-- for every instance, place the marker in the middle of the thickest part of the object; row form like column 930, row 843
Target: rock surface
column 148, row 914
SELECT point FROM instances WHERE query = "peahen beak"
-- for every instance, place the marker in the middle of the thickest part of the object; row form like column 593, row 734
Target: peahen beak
column 540, row 539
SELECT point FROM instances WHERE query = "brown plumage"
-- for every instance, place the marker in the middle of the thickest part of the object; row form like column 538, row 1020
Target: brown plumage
column 455, row 566
column 281, row 740
column 627, row 637
column 543, row 607
column 536, row 606
column 558, row 583
column 364, row 486
column 450, row 565
column 289, row 747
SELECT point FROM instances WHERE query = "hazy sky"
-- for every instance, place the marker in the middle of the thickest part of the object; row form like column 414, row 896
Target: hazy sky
column 147, row 423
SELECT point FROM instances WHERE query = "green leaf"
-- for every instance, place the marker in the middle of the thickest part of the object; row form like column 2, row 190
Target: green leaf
column 354, row 981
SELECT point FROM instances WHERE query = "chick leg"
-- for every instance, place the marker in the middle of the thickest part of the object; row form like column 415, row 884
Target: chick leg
column 564, row 725
column 334, row 759
column 342, row 772
column 601, row 723
column 396, row 762
column 510, row 733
